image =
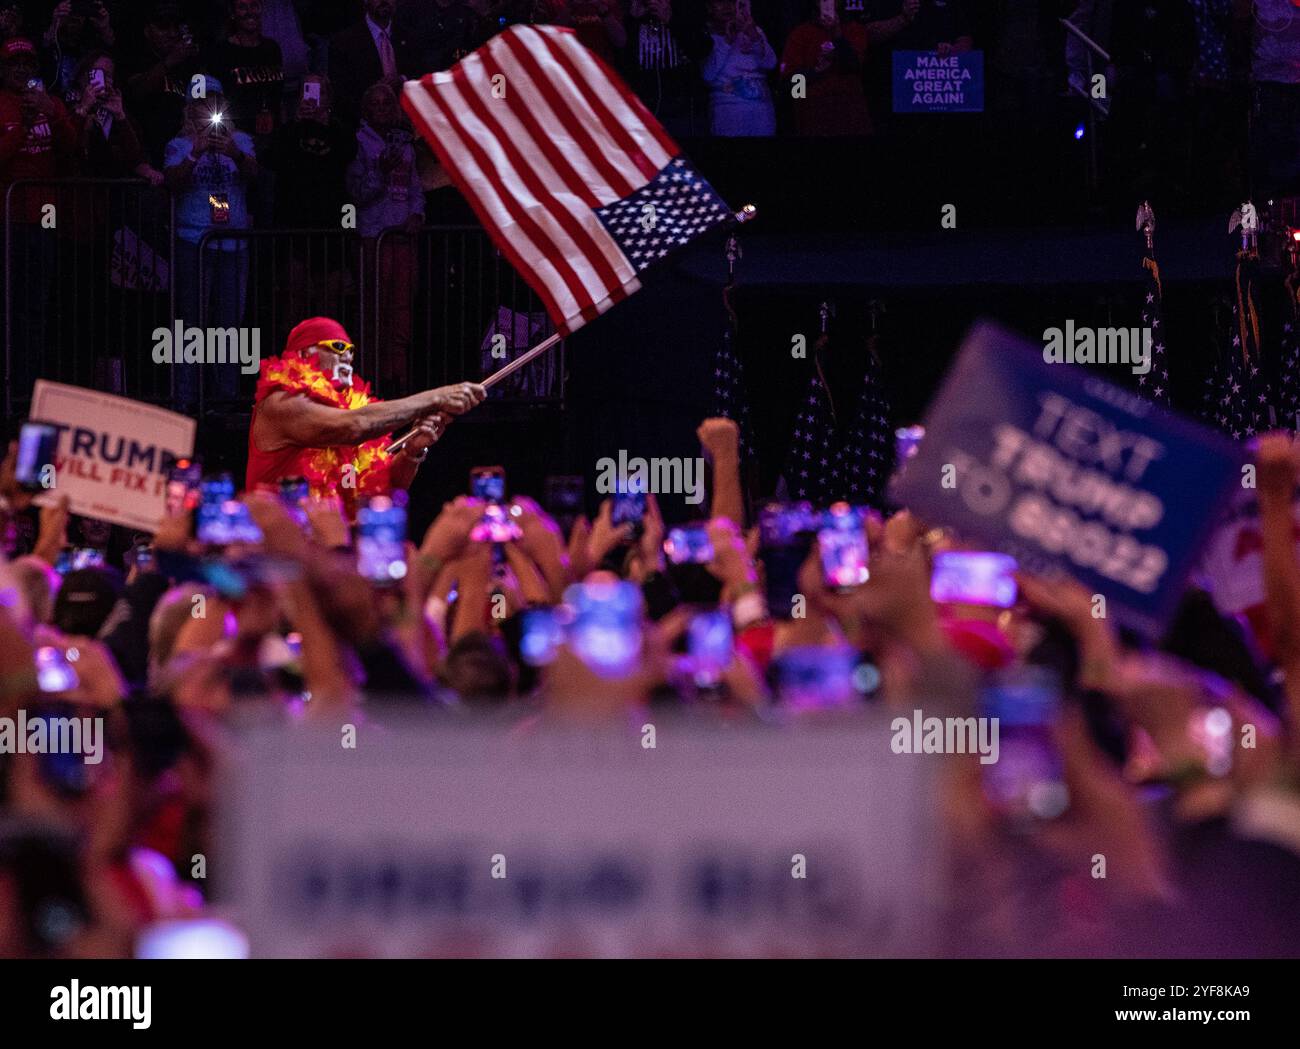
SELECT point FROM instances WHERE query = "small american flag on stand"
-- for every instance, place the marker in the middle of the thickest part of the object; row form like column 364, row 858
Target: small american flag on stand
column 569, row 173
column 1154, row 384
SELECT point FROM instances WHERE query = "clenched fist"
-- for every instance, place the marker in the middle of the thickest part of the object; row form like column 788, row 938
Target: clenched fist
column 460, row 398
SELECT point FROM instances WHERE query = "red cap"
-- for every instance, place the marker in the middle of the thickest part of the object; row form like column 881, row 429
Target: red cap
column 312, row 331
column 17, row 46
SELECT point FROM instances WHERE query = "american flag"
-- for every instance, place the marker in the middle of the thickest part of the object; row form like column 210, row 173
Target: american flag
column 826, row 465
column 1288, row 381
column 1237, row 394
column 813, row 465
column 569, row 173
column 1155, row 383
column 730, row 400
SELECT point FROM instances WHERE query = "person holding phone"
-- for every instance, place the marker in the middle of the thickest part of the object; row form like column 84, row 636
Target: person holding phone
column 211, row 165
column 109, row 146
column 38, row 141
column 827, row 53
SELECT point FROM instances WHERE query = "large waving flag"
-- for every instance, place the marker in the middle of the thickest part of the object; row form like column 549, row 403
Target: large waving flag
column 569, row 173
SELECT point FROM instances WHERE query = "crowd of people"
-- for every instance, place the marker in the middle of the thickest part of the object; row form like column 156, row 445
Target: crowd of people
column 1178, row 760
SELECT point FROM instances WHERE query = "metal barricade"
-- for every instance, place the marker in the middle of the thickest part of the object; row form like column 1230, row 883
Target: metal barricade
column 89, row 282
column 266, row 281
column 448, row 306
column 88, row 278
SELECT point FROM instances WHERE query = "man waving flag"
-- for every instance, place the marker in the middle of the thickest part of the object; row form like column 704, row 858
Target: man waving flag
column 569, row 173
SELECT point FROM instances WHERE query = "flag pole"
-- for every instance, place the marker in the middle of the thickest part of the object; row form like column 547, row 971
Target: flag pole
column 745, row 214
column 494, row 378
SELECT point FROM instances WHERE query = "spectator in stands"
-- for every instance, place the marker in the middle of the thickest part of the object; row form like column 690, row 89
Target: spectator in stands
column 108, row 143
column 11, row 21
column 664, row 39
column 249, row 65
column 375, row 48
column 736, row 71
column 311, row 154
column 210, row 166
column 37, row 141
column 282, row 23
column 163, row 80
column 1275, row 88
column 385, row 186
column 826, row 55
column 597, row 23
column 943, row 26
column 71, row 36
column 446, row 31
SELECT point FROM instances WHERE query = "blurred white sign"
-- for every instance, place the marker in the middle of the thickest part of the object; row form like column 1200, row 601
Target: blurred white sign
column 436, row 840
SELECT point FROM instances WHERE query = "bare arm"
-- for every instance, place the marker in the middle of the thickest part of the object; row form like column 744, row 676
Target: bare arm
column 720, row 439
column 287, row 420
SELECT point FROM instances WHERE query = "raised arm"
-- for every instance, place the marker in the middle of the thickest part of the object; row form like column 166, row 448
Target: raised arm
column 287, row 420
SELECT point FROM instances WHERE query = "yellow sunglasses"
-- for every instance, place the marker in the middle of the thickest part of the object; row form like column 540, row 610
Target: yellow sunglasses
column 339, row 346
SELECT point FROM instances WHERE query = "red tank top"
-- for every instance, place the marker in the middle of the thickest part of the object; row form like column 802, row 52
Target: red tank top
column 348, row 471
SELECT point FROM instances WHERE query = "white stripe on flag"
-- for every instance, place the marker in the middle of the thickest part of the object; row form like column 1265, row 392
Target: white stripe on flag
column 534, row 257
column 608, row 93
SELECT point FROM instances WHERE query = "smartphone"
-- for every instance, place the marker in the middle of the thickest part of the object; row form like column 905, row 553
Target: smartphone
column 606, row 627
column 218, row 125
column 541, row 635
column 564, row 499
column 294, row 493
column 488, row 483
column 311, row 91
column 968, row 578
column 1026, row 781
column 496, row 526
column 192, row 938
column 628, row 508
column 76, row 559
column 35, row 84
column 786, row 534
column 97, row 78
column 53, row 671
column 842, row 542
column 221, row 518
column 381, row 540
column 38, row 444
column 710, row 645
column 183, row 484
column 140, row 557
column 689, row 545
column 907, row 439
column 814, row 677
